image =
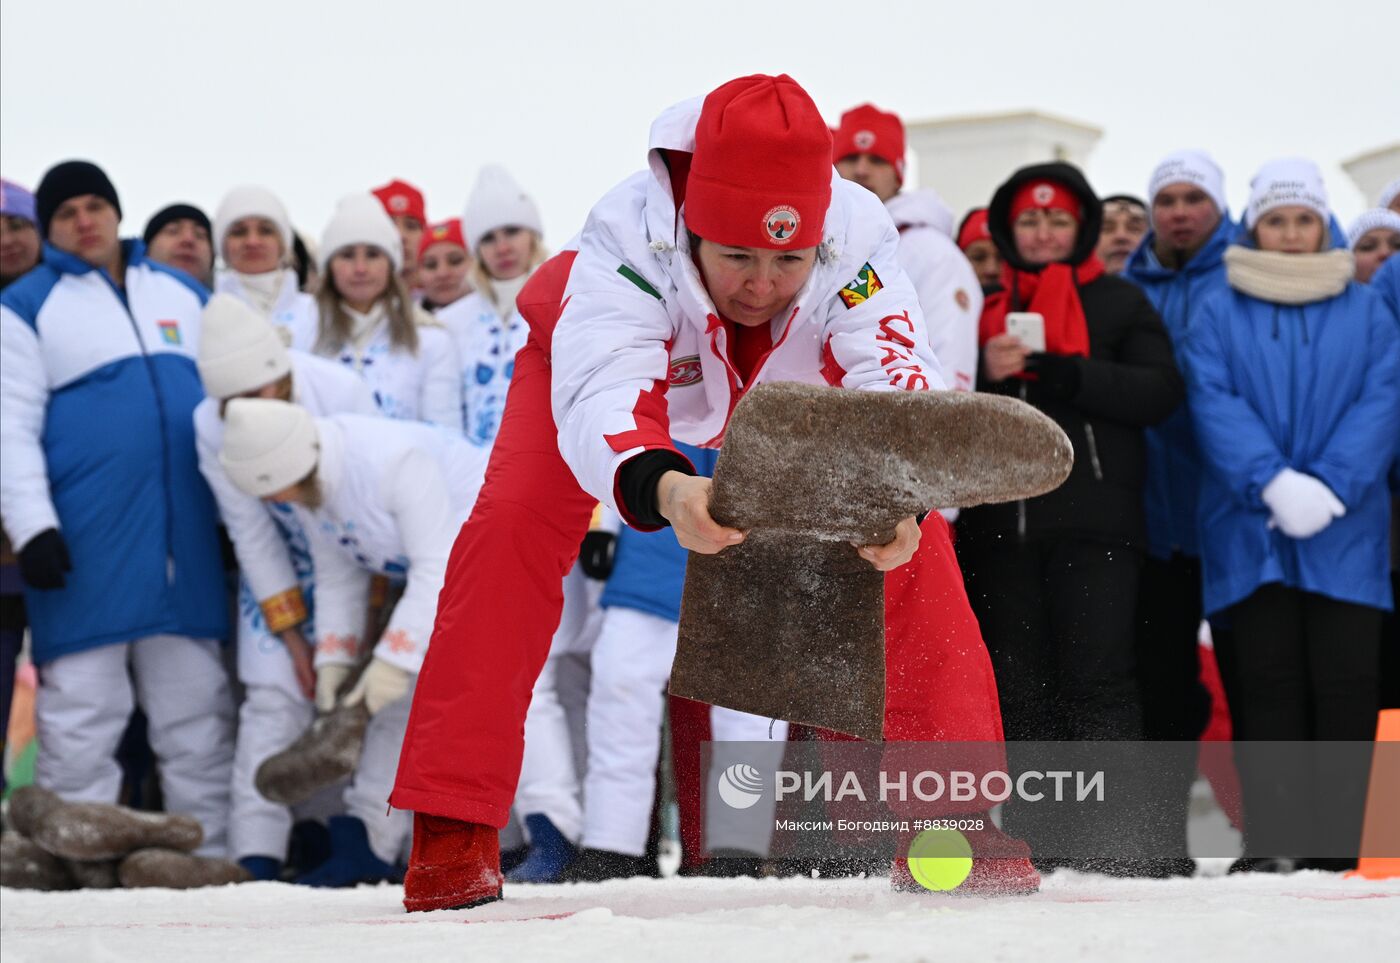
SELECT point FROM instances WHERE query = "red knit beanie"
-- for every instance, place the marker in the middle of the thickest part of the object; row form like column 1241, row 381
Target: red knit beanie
column 974, row 228
column 443, row 232
column 761, row 174
column 1048, row 195
column 869, row 130
column 402, row 199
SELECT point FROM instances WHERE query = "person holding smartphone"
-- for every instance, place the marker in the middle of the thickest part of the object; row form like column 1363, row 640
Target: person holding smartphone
column 1053, row 580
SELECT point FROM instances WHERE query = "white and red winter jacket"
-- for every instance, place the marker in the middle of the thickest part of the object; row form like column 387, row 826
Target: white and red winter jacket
column 639, row 354
column 948, row 290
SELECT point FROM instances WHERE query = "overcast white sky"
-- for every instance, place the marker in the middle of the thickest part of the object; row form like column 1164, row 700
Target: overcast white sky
column 183, row 99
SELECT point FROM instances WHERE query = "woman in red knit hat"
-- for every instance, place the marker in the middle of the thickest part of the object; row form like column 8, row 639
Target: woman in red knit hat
column 737, row 258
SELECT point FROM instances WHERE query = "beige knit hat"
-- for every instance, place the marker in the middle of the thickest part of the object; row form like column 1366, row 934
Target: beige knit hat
column 239, row 349
column 268, row 445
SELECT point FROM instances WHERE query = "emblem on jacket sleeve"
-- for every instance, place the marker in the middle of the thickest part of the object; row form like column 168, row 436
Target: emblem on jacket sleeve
column 169, row 331
column 863, row 288
column 781, row 223
column 684, row 371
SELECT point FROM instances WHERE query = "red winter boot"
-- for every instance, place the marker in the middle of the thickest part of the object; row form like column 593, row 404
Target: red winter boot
column 1001, row 866
column 454, row 865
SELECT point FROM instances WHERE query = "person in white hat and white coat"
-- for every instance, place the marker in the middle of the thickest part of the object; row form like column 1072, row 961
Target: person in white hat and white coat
column 242, row 355
column 374, row 496
column 253, row 236
column 369, row 322
column 505, row 234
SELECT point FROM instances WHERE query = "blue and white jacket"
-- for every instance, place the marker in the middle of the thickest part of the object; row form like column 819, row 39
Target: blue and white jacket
column 1314, row 387
column 97, row 388
column 1173, row 455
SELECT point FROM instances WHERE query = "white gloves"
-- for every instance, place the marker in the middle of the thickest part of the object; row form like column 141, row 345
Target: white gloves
column 329, row 679
column 1301, row 505
column 380, row 685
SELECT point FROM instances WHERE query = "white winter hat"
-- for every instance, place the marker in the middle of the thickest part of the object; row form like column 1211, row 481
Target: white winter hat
column 1283, row 182
column 251, row 201
column 1388, row 193
column 268, row 445
column 1369, row 221
column 1194, row 167
column 360, row 219
column 497, row 201
column 239, row 349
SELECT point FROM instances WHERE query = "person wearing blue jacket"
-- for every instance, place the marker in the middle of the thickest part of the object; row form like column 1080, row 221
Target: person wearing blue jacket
column 100, row 490
column 1179, row 262
column 1386, row 283
column 1294, row 375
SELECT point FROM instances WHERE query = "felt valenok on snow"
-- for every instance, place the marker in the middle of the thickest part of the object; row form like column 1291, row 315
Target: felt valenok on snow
column 791, row 622
column 327, row 752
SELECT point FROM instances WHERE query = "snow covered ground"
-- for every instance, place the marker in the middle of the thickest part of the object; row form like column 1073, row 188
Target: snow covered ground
column 1075, row 917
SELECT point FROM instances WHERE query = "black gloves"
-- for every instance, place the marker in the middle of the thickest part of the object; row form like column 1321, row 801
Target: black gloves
column 595, row 556
column 1059, row 375
column 44, row 559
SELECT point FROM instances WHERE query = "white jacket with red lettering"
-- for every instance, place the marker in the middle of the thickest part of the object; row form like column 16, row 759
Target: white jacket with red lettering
column 944, row 279
column 639, row 354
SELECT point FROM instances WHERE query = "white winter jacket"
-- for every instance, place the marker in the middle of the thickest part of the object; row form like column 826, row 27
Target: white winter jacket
column 426, row 386
column 944, row 279
column 486, row 349
column 394, row 496
column 295, row 310
column 639, row 354
column 322, row 387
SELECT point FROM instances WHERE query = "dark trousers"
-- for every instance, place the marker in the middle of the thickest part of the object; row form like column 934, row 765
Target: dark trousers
column 1306, row 668
column 1058, row 616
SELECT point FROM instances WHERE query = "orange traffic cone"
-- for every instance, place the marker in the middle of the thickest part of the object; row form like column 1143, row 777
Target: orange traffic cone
column 1380, row 832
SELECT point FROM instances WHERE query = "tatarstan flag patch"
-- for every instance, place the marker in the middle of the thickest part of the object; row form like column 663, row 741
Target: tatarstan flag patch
column 863, row 288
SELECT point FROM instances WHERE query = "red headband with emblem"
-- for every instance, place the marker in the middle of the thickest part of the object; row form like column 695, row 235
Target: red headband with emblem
column 869, row 130
column 974, row 229
column 761, row 173
column 443, row 232
column 1046, row 195
column 402, row 199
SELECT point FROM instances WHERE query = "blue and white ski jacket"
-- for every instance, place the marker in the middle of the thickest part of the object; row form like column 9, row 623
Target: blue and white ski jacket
column 97, row 388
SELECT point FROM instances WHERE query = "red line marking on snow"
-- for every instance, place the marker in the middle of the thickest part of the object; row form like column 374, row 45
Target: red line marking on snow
column 1343, row 896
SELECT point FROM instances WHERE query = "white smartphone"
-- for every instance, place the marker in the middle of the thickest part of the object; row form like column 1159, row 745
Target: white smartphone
column 1028, row 327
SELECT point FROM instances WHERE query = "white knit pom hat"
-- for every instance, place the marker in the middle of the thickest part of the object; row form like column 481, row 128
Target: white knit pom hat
column 1189, row 167
column 268, row 445
column 251, row 201
column 360, row 219
column 1285, row 182
column 497, row 201
column 239, row 349
column 1369, row 221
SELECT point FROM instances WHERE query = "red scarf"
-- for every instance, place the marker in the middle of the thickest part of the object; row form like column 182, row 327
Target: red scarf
column 1054, row 293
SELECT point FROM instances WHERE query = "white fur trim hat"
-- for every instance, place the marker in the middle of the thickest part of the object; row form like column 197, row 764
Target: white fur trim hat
column 251, row 201
column 268, row 445
column 497, row 201
column 239, row 349
column 1194, row 167
column 1369, row 221
column 1287, row 181
column 360, row 219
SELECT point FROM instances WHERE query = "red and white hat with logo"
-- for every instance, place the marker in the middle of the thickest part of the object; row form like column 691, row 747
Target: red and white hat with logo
column 761, row 174
column 402, row 199
column 869, row 130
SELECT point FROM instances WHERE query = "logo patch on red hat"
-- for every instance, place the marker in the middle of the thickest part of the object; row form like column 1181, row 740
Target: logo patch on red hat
column 864, row 139
column 782, row 223
column 684, row 371
column 1043, row 194
column 398, row 203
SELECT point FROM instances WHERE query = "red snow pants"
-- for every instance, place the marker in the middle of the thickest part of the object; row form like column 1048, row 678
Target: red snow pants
column 501, row 602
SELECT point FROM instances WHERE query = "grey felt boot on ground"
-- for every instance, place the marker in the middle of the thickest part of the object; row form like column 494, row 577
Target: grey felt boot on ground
column 171, row 869
column 327, row 752
column 91, row 832
column 98, row 875
column 27, row 865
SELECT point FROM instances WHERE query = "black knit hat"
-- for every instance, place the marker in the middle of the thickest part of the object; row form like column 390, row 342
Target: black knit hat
column 175, row 212
column 67, row 180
